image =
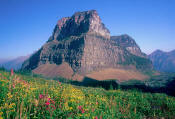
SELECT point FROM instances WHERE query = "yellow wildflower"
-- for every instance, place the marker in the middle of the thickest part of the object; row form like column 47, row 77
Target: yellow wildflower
column 9, row 95
column 72, row 96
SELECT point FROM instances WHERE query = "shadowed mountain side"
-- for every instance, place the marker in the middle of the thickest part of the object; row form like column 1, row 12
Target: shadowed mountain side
column 168, row 87
column 89, row 82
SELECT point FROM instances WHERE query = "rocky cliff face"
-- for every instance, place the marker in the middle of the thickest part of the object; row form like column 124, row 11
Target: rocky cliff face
column 163, row 61
column 80, row 22
column 83, row 42
column 128, row 43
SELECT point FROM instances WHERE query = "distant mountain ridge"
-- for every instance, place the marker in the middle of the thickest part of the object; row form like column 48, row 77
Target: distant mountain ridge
column 163, row 61
column 81, row 44
column 4, row 60
column 15, row 63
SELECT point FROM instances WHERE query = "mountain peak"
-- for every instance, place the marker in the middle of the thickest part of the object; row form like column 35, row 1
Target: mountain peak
column 80, row 23
column 125, row 35
column 93, row 22
column 90, row 12
column 158, row 51
column 124, row 38
column 163, row 61
column 80, row 45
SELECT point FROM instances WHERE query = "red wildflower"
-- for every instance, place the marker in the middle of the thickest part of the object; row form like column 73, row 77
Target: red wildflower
column 96, row 117
column 12, row 72
column 82, row 111
column 41, row 96
column 59, row 83
column 80, row 107
column 47, row 103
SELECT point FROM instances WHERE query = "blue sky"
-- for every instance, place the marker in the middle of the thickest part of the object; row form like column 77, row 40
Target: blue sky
column 25, row 25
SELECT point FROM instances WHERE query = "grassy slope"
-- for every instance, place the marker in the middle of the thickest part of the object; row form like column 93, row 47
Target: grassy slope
column 31, row 97
column 119, row 74
column 52, row 70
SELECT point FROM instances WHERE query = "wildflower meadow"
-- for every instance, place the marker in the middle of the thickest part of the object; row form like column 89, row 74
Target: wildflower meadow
column 25, row 97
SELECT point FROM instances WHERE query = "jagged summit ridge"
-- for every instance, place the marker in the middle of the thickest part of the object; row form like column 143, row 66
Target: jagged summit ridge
column 79, row 23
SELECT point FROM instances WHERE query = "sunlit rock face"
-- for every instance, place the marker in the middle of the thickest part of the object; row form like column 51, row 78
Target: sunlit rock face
column 84, row 43
column 81, row 22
